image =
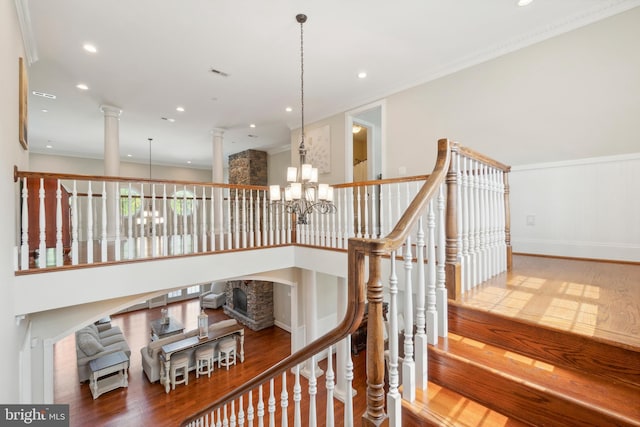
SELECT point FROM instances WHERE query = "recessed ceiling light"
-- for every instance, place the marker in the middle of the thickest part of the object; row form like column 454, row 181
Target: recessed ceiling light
column 89, row 48
column 188, row 162
column 252, row 125
column 48, row 146
column 82, row 86
column 44, row 95
column 524, row 2
column 288, row 109
column 362, row 75
column 181, row 109
column 168, row 119
column 45, row 111
column 129, row 155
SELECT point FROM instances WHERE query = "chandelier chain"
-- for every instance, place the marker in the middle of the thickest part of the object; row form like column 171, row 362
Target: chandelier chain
column 302, row 82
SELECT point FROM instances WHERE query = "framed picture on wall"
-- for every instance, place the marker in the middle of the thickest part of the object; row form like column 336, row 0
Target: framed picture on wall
column 23, row 87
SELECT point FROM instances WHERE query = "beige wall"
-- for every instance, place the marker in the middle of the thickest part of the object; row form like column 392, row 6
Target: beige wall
column 12, row 336
column 83, row 166
column 573, row 96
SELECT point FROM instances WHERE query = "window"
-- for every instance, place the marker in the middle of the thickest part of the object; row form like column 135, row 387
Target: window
column 183, row 203
column 129, row 205
column 193, row 290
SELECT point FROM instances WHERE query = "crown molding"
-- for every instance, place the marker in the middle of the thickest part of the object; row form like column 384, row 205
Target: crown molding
column 24, row 20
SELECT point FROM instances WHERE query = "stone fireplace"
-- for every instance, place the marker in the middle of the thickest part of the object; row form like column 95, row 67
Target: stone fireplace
column 250, row 302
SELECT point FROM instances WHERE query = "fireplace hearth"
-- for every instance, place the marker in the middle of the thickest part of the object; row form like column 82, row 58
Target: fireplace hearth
column 250, row 302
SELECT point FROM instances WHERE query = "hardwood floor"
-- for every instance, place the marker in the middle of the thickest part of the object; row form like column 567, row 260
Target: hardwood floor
column 600, row 300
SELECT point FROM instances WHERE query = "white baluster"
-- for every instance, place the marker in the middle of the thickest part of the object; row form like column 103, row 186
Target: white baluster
column 103, row 216
column 276, row 227
column 432, row 316
column 212, row 221
column 252, row 219
column 232, row 419
column 394, row 400
column 24, row 248
column 153, row 219
column 116, row 218
column 241, row 412
column 297, row 397
column 221, row 228
column 185, row 229
column 250, row 413
column 342, row 236
column 89, row 225
column 313, row 391
column 74, row 225
column 284, row 401
column 408, row 364
column 272, row 405
column 270, row 221
column 421, row 337
column 219, row 422
column 42, row 249
column 260, row 407
column 348, row 399
column 194, row 220
column 203, row 225
column 229, row 230
column 472, row 227
column 441, row 290
column 129, row 224
column 142, row 235
column 236, row 220
column 258, row 223
column 330, row 385
column 367, row 205
column 59, row 249
column 225, row 420
column 243, row 216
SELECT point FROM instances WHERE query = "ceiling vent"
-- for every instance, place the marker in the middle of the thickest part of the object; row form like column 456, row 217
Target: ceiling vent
column 218, row 72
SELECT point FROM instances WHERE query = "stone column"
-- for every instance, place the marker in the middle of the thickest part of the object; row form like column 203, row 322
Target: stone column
column 217, row 166
column 111, row 162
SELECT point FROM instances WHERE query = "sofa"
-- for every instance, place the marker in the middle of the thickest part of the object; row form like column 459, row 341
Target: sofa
column 215, row 297
column 151, row 353
column 95, row 341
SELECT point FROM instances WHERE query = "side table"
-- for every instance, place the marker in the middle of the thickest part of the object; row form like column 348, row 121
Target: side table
column 108, row 373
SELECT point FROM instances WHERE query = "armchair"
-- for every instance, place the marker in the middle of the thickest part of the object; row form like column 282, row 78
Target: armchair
column 215, row 297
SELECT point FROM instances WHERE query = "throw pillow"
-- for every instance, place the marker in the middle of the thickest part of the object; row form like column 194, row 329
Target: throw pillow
column 89, row 345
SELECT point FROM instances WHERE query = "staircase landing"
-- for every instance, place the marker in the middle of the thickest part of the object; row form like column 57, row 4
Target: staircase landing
column 555, row 342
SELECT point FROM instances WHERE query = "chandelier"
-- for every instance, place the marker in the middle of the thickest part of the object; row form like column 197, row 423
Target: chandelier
column 303, row 194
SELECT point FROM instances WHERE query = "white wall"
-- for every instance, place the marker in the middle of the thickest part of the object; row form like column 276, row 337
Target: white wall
column 277, row 164
column 12, row 336
column 587, row 209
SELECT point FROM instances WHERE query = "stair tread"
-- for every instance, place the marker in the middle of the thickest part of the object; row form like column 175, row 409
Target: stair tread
column 583, row 388
column 444, row 407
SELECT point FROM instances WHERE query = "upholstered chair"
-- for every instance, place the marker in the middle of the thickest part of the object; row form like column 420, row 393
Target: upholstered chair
column 215, row 297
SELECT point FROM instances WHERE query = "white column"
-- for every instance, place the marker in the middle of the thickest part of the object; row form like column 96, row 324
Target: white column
column 111, row 162
column 310, row 292
column 342, row 349
column 217, row 166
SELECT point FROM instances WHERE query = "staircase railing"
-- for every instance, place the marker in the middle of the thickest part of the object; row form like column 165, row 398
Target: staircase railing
column 85, row 220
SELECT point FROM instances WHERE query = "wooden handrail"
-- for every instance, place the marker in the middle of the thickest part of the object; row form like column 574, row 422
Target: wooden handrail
column 468, row 152
column 358, row 249
column 381, row 181
column 17, row 174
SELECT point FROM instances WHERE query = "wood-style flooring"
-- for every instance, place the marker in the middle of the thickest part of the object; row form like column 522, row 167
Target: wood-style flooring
column 601, row 300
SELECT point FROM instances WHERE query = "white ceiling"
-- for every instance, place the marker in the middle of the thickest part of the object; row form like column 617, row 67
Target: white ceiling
column 155, row 55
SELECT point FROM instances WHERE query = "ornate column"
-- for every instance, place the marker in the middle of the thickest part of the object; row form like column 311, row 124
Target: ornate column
column 111, row 162
column 217, row 165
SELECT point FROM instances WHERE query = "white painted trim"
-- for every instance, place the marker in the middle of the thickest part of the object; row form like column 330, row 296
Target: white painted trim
column 282, row 326
column 578, row 162
column 47, row 371
column 348, row 136
column 24, row 368
column 618, row 251
column 24, row 21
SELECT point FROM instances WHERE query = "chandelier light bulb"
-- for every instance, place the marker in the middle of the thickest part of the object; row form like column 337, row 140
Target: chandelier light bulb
column 305, row 172
column 292, row 174
column 274, row 192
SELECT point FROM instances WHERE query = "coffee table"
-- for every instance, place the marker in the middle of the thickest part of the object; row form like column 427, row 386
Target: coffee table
column 108, row 373
column 161, row 330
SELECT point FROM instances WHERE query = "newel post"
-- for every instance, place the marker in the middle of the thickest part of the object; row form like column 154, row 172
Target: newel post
column 452, row 265
column 375, row 415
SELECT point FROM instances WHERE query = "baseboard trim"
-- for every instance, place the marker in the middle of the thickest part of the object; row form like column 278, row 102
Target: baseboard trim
column 611, row 261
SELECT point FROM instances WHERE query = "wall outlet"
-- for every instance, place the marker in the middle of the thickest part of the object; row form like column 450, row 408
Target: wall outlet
column 531, row 219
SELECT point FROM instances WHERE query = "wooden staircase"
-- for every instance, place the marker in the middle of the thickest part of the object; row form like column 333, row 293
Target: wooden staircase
column 493, row 370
